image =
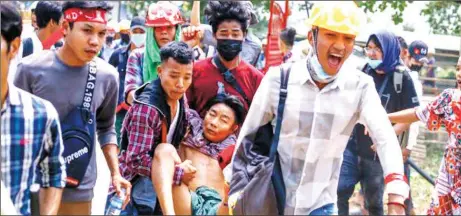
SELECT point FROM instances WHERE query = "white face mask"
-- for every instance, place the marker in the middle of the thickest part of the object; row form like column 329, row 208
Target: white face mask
column 138, row 39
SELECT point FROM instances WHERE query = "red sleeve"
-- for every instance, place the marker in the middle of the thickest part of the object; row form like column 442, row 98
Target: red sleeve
column 225, row 157
column 142, row 133
column 258, row 77
column 433, row 113
column 190, row 94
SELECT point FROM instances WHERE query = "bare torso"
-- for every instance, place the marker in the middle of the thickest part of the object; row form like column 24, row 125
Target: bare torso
column 208, row 173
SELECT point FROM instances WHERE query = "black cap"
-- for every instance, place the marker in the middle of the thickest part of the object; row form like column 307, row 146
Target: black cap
column 418, row 50
column 138, row 22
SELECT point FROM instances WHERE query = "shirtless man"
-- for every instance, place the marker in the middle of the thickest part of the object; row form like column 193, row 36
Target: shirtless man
column 191, row 181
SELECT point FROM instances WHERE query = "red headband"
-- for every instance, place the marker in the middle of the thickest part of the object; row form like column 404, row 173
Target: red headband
column 85, row 15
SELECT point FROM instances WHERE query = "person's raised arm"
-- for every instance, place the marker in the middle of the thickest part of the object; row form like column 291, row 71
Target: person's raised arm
column 195, row 14
column 404, row 116
column 133, row 77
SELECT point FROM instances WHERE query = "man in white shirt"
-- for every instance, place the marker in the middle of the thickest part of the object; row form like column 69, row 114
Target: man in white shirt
column 48, row 16
column 327, row 96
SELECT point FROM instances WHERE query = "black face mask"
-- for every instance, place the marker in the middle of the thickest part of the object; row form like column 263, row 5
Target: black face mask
column 229, row 49
column 125, row 38
column 109, row 39
column 416, row 68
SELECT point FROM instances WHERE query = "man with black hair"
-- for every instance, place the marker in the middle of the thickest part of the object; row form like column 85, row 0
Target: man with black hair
column 286, row 42
column 31, row 141
column 225, row 72
column 48, row 19
column 191, row 181
column 158, row 115
column 49, row 15
column 327, row 96
column 404, row 55
column 251, row 47
column 163, row 22
column 84, row 90
column 33, row 17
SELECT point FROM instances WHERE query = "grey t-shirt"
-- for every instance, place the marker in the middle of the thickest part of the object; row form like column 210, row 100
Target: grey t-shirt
column 45, row 75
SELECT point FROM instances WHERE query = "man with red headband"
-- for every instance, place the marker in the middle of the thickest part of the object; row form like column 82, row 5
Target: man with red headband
column 84, row 91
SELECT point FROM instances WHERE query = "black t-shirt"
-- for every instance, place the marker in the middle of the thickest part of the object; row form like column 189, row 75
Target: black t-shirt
column 391, row 101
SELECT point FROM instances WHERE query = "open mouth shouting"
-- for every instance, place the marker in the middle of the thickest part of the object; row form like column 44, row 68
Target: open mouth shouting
column 335, row 60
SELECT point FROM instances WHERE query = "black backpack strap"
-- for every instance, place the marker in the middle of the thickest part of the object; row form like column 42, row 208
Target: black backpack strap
column 398, row 78
column 284, row 76
column 89, row 86
column 229, row 78
column 277, row 177
column 58, row 44
column 27, row 47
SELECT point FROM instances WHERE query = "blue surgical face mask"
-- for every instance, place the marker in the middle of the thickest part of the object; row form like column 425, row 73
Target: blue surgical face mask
column 317, row 73
column 374, row 63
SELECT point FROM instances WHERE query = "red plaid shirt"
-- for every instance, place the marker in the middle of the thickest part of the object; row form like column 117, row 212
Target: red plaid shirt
column 143, row 126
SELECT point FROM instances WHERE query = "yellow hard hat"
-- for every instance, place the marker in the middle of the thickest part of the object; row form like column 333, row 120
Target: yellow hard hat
column 341, row 16
column 124, row 25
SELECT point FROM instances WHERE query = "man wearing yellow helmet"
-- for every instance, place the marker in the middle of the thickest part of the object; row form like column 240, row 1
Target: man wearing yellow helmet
column 327, row 96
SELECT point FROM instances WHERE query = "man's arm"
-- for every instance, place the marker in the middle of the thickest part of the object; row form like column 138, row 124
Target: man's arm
column 143, row 130
column 133, row 75
column 50, row 199
column 105, row 122
column 399, row 128
column 195, row 14
column 52, row 166
column 383, row 135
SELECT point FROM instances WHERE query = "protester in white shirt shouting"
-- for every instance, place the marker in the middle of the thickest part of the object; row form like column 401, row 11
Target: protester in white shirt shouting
column 327, row 96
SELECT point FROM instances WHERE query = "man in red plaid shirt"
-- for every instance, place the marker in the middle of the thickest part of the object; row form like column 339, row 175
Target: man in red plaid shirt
column 158, row 115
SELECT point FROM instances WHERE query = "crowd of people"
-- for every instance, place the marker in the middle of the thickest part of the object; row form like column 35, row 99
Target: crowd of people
column 171, row 103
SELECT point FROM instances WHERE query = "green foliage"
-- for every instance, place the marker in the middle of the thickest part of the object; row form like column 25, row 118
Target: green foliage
column 261, row 7
column 444, row 17
column 372, row 6
column 446, row 73
column 138, row 8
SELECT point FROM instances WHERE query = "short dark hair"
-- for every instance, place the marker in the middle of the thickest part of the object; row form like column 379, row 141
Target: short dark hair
column 47, row 11
column 402, row 42
column 232, row 102
column 86, row 5
column 11, row 22
column 288, row 36
column 179, row 51
column 217, row 12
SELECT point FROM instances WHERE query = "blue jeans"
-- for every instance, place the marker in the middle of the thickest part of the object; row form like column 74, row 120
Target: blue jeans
column 328, row 209
column 143, row 198
column 370, row 175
